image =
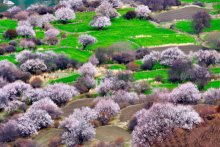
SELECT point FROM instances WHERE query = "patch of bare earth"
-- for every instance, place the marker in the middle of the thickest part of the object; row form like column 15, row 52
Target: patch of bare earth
column 184, row 48
column 128, row 112
column 178, row 14
column 111, row 133
column 44, row 136
column 68, row 109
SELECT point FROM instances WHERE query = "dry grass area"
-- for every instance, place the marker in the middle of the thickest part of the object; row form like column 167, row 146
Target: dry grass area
column 68, row 109
column 111, row 133
column 129, row 111
column 178, row 14
column 184, row 48
column 44, row 136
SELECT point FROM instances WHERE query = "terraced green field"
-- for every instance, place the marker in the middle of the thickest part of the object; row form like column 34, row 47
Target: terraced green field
column 186, row 26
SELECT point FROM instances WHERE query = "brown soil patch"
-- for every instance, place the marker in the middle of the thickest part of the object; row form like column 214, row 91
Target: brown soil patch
column 184, row 48
column 44, row 136
column 68, row 109
column 178, row 14
column 111, row 133
column 128, row 112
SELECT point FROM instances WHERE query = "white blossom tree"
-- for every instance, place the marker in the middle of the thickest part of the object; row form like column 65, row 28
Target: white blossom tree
column 34, row 66
column 211, row 95
column 101, row 22
column 106, row 109
column 25, row 30
column 155, row 123
column 106, row 9
column 86, row 40
column 65, row 14
column 187, row 93
column 77, row 132
column 88, row 69
column 51, row 33
column 142, row 11
column 170, row 55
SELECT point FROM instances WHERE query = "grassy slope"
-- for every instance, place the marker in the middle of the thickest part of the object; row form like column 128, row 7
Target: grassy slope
column 186, row 26
column 138, row 32
column 123, row 30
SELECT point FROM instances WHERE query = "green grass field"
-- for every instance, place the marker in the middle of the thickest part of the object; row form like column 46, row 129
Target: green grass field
column 186, row 26
column 69, row 79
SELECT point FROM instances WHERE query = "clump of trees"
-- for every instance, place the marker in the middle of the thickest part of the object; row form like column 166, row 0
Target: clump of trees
column 34, row 66
column 25, row 29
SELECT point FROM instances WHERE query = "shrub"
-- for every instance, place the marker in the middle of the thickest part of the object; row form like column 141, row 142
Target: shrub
column 94, row 60
column 52, row 33
column 106, row 109
column 22, row 15
column 27, row 44
column 3, row 82
column 133, row 66
column 200, row 75
column 26, row 126
column 9, row 131
column 207, row 57
column 36, row 82
column 11, row 73
column 88, row 69
column 16, row 89
column 25, row 30
column 40, row 118
column 121, row 97
column 154, row 124
column 179, row 71
column 143, row 12
column 86, row 81
column 14, row 106
column 47, row 18
column 14, row 10
column 124, row 57
column 47, row 105
column 86, row 40
column 211, row 95
column 35, row 20
column 106, row 9
column 185, row 94
column 10, row 49
column 61, row 93
column 13, row 43
column 10, row 34
column 153, row 57
column 33, row 95
column 201, row 20
column 141, row 52
column 101, row 55
column 84, row 114
column 141, row 86
column 130, row 15
column 100, row 22
column 34, row 66
column 132, row 124
column 65, row 14
column 169, row 55
column 78, row 132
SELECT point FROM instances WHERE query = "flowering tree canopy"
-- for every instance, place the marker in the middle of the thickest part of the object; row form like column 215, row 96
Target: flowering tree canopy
column 65, row 14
